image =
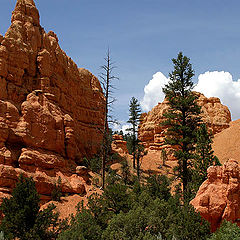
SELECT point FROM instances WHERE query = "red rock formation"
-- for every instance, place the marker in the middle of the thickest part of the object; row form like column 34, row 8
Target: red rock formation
column 119, row 145
column 218, row 197
column 50, row 111
column 216, row 115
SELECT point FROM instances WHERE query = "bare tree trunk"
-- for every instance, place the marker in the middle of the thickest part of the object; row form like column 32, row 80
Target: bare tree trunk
column 106, row 77
column 105, row 142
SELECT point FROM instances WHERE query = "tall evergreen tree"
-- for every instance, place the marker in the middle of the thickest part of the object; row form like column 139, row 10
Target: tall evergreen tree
column 134, row 119
column 204, row 156
column 182, row 117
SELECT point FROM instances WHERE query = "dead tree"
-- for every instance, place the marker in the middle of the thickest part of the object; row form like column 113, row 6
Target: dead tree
column 107, row 78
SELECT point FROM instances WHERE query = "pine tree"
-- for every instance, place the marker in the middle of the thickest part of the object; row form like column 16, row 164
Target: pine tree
column 23, row 218
column 126, row 174
column 20, row 211
column 182, row 117
column 134, row 119
column 204, row 156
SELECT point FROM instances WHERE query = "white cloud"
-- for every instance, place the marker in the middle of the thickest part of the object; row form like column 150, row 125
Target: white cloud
column 211, row 84
column 121, row 126
column 153, row 91
column 221, row 85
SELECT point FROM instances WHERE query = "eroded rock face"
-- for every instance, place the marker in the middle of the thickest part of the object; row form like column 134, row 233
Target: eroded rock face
column 119, row 145
column 218, row 197
column 214, row 114
column 51, row 112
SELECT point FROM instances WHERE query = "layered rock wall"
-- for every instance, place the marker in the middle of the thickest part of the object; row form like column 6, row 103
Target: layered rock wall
column 51, row 112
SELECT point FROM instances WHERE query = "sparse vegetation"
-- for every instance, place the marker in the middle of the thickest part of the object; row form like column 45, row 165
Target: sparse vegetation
column 94, row 163
column 57, row 190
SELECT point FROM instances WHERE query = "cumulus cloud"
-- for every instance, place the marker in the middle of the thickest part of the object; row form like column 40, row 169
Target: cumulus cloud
column 153, row 91
column 221, row 85
column 211, row 84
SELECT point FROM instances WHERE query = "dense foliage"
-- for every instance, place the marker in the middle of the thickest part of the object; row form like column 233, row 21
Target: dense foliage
column 227, row 231
column 23, row 218
column 204, row 157
column 137, row 212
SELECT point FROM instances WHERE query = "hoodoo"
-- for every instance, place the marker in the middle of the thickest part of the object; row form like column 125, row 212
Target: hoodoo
column 51, row 112
column 219, row 196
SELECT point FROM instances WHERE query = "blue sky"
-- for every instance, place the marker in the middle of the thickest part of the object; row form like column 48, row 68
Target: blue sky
column 143, row 35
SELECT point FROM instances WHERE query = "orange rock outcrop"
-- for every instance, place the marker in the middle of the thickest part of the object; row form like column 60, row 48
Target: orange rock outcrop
column 119, row 145
column 151, row 132
column 51, row 112
column 218, row 197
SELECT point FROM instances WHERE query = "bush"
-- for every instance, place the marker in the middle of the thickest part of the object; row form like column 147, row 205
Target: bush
column 116, row 198
column 23, row 218
column 126, row 175
column 20, row 211
column 140, row 213
column 82, row 227
column 127, row 226
column 188, row 224
column 57, row 190
column 94, row 164
column 227, row 231
column 159, row 186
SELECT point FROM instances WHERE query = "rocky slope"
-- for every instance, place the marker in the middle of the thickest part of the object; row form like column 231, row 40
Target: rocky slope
column 51, row 112
column 151, row 133
column 226, row 143
column 218, row 197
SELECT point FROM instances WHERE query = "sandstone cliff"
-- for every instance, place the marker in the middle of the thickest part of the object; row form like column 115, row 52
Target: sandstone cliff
column 216, row 115
column 50, row 111
column 218, row 197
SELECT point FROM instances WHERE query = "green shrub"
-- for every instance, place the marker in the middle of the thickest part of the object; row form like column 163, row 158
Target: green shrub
column 227, row 231
column 94, row 164
column 23, row 218
column 126, row 175
column 159, row 186
column 57, row 190
column 82, row 227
